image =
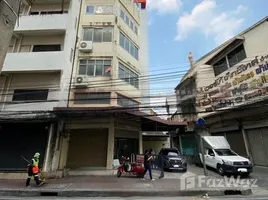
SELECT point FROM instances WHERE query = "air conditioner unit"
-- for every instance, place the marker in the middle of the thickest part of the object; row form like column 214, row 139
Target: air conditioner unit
column 81, row 81
column 85, row 46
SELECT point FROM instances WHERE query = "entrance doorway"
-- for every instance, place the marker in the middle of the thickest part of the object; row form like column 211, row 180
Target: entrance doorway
column 125, row 147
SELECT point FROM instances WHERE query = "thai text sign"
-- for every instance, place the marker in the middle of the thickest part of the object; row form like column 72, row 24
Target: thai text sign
column 249, row 81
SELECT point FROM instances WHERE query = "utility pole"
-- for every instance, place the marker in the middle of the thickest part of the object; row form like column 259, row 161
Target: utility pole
column 9, row 12
column 201, row 128
column 203, row 155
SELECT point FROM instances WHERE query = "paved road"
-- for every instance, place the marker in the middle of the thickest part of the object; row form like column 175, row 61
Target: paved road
column 143, row 198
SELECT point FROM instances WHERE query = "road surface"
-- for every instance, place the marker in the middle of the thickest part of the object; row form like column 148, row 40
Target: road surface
column 142, row 198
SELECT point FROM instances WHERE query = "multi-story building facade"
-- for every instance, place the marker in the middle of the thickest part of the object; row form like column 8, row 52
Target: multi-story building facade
column 35, row 78
column 9, row 11
column 228, row 89
column 72, row 83
column 106, row 75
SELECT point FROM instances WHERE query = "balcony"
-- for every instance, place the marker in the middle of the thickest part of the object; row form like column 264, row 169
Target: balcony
column 34, row 61
column 42, row 23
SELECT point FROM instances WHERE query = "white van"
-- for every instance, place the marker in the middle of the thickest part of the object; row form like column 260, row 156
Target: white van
column 221, row 157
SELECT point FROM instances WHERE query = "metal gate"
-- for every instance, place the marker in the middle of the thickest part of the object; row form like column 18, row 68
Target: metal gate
column 21, row 139
column 258, row 142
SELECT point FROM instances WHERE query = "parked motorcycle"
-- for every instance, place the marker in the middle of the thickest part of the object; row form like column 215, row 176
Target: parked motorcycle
column 131, row 168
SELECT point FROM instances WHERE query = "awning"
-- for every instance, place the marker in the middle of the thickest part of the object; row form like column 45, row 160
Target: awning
column 148, row 122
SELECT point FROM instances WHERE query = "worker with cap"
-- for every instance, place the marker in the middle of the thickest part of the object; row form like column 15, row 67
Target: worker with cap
column 33, row 170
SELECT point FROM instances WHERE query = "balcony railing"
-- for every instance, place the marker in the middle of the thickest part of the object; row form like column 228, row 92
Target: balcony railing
column 42, row 22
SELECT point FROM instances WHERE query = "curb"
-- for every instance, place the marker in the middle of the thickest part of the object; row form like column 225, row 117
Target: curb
column 117, row 193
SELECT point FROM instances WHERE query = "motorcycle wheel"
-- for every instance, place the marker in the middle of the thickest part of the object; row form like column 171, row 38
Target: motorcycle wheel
column 119, row 174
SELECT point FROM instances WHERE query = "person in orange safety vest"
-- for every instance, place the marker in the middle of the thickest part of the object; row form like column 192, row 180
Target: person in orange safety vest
column 33, row 170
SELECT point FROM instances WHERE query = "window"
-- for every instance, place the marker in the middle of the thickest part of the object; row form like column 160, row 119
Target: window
column 236, row 56
column 126, row 102
column 136, row 30
column 122, row 14
column 210, row 152
column 91, row 10
column 92, row 98
column 129, row 46
column 95, row 67
column 129, row 21
column 131, row 25
column 98, row 35
column 30, row 95
column 128, row 75
column 41, row 48
column 220, row 66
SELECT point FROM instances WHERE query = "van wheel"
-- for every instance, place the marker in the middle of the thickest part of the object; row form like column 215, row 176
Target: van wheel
column 220, row 170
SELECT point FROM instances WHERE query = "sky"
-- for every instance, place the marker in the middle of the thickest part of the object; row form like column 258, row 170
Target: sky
column 177, row 27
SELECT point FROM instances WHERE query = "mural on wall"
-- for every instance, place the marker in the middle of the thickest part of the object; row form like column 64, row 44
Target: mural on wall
column 246, row 83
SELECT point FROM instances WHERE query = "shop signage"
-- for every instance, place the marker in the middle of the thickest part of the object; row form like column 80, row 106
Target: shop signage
column 247, row 82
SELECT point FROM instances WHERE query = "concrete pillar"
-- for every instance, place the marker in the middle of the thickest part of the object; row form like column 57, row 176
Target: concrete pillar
column 110, row 148
column 181, row 150
column 47, row 160
column 64, row 146
column 140, row 143
column 56, row 155
column 246, row 143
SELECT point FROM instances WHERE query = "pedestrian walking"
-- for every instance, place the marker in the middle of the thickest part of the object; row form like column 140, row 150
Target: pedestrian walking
column 148, row 164
column 33, row 171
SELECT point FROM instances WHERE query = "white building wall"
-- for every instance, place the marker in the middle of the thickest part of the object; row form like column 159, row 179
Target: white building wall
column 69, row 49
column 145, row 85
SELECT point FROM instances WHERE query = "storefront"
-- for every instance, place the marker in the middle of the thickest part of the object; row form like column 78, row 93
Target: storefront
column 21, row 139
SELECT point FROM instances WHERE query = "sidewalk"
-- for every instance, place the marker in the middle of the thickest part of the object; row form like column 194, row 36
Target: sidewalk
column 108, row 186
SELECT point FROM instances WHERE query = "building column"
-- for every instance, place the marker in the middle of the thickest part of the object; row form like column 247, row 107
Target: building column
column 110, row 147
column 246, row 143
column 140, row 143
column 180, row 143
column 47, row 160
column 56, row 153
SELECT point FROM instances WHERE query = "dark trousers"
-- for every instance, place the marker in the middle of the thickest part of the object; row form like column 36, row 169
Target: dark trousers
column 161, row 173
column 36, row 178
column 148, row 168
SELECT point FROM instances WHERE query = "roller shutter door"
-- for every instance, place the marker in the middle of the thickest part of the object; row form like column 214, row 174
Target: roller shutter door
column 87, row 148
column 21, row 139
column 258, row 142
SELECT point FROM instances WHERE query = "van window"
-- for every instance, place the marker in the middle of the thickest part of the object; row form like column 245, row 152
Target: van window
column 210, row 152
column 225, row 152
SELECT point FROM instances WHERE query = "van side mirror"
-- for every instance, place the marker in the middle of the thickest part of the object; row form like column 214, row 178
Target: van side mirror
column 211, row 154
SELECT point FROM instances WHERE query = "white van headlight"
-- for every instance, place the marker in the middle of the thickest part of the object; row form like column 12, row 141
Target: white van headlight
column 227, row 162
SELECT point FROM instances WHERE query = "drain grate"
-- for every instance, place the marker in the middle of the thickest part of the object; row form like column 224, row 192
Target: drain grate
column 232, row 192
column 49, row 194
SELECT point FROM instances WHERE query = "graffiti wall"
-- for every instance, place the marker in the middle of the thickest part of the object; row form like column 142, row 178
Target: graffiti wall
column 245, row 83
